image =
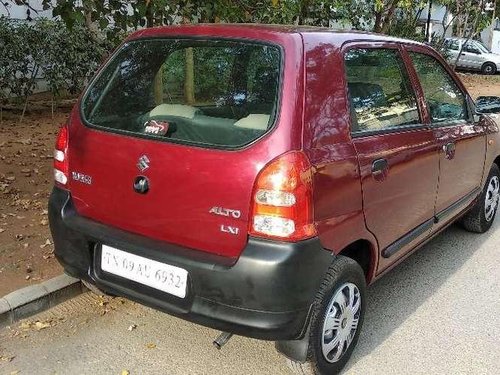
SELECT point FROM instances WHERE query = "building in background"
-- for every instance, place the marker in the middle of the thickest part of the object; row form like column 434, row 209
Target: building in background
column 21, row 12
column 440, row 23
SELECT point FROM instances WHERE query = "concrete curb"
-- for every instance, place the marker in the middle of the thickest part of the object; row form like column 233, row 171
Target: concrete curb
column 36, row 298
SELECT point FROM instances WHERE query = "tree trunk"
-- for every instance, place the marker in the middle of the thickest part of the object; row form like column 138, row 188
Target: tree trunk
column 24, row 109
column 471, row 33
column 52, row 106
column 149, row 15
column 383, row 18
column 158, row 87
column 378, row 21
column 388, row 17
column 428, row 35
column 88, row 5
column 189, row 77
column 29, row 88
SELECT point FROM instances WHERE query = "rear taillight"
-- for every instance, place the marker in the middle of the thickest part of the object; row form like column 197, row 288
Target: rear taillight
column 61, row 166
column 282, row 206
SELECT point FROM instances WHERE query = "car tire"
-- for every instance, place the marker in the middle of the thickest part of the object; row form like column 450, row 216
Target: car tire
column 94, row 289
column 341, row 298
column 489, row 68
column 481, row 216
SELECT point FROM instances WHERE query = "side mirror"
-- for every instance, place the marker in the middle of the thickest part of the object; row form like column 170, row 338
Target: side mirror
column 487, row 104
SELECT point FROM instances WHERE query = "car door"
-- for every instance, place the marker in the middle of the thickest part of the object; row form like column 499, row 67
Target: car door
column 397, row 155
column 473, row 56
column 460, row 138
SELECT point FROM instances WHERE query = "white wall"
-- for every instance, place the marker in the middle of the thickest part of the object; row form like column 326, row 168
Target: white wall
column 437, row 14
column 19, row 12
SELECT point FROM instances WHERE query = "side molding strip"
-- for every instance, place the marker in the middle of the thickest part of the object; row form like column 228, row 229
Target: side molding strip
column 406, row 239
column 422, row 228
column 457, row 205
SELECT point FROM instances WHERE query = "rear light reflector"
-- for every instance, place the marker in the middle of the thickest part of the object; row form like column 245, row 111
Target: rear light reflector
column 275, row 198
column 59, row 155
column 60, row 177
column 282, row 206
column 273, row 226
column 61, row 165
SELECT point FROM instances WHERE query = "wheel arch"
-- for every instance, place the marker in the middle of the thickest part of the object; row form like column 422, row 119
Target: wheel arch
column 497, row 161
column 364, row 253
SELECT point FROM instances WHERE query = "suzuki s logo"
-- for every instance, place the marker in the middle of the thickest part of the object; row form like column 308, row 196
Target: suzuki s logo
column 143, row 163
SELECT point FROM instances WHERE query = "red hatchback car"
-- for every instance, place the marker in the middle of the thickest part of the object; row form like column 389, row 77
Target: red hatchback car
column 254, row 179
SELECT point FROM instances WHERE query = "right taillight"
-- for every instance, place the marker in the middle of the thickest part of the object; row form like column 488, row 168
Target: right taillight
column 282, row 206
column 61, row 165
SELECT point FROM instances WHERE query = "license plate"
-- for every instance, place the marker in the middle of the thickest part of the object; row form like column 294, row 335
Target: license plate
column 167, row 278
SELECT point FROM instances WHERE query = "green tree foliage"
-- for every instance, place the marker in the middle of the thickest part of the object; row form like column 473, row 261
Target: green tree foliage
column 139, row 13
column 46, row 49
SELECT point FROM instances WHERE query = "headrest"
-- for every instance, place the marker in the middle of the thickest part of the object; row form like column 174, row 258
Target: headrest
column 179, row 110
column 253, row 121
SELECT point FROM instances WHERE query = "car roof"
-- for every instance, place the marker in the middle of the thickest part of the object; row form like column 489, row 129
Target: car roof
column 335, row 36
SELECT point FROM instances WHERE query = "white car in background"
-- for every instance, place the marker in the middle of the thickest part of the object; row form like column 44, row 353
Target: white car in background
column 474, row 56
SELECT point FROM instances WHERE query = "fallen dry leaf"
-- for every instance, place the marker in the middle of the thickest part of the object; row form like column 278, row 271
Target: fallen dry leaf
column 42, row 325
column 125, row 372
column 37, row 325
column 47, row 243
column 151, row 345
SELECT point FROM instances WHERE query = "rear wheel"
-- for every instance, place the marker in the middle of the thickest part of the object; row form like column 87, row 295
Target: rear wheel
column 336, row 321
column 489, row 68
column 480, row 218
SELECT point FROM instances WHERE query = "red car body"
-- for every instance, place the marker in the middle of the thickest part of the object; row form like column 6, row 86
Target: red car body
column 376, row 217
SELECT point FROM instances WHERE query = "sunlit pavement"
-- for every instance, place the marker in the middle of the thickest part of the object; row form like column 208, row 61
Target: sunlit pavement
column 437, row 313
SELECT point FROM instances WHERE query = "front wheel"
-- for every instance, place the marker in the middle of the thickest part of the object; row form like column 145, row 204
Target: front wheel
column 480, row 218
column 336, row 320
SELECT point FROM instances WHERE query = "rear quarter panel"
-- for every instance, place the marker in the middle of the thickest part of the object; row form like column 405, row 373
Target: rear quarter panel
column 338, row 206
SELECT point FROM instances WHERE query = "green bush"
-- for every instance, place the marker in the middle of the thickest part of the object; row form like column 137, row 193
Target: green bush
column 46, row 49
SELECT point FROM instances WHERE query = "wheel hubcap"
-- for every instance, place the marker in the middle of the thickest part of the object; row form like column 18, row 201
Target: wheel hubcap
column 341, row 322
column 492, row 198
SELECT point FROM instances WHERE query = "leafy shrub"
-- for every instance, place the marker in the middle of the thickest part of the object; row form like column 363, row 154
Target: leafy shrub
column 46, row 49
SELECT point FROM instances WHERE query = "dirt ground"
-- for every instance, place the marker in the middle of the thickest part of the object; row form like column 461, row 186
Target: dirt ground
column 26, row 148
column 26, row 151
column 479, row 85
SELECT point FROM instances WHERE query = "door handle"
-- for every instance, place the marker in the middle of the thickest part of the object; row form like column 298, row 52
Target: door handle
column 380, row 168
column 449, row 150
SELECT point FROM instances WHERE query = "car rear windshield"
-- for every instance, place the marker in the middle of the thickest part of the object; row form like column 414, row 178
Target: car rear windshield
column 213, row 93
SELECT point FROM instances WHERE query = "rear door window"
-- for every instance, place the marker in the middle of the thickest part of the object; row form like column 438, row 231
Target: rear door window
column 216, row 93
column 379, row 90
column 445, row 101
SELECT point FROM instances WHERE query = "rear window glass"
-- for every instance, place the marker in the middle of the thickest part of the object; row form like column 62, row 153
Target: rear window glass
column 214, row 93
column 379, row 90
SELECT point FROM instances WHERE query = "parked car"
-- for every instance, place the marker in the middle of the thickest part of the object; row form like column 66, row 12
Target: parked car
column 254, row 179
column 474, row 56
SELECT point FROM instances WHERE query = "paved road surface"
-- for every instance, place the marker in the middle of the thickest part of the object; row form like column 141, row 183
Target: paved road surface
column 437, row 313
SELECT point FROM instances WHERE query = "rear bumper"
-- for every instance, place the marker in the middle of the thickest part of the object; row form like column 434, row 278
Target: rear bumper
column 266, row 293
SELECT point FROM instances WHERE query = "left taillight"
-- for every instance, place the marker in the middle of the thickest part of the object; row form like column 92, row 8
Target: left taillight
column 282, row 200
column 61, row 165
